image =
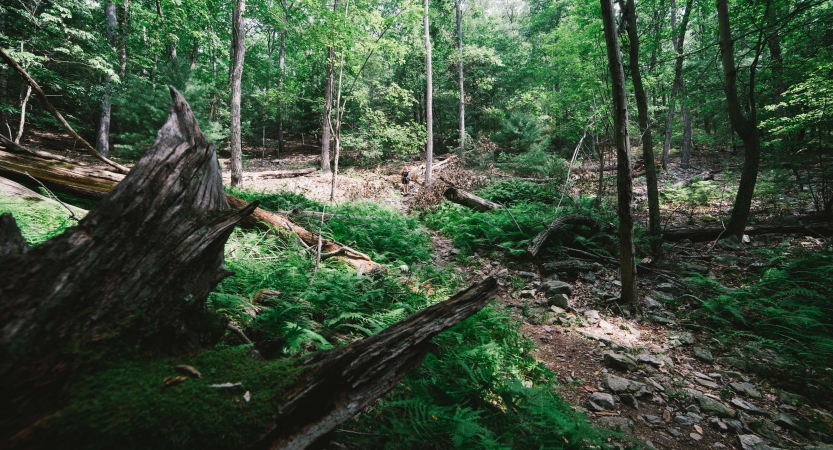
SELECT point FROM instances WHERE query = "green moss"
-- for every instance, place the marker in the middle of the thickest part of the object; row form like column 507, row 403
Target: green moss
column 126, row 405
column 37, row 219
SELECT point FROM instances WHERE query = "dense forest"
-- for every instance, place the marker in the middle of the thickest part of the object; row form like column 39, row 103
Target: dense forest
column 347, row 224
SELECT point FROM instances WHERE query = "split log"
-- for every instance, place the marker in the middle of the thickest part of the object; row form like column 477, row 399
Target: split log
column 711, row 234
column 89, row 182
column 279, row 173
column 538, row 243
column 135, row 275
column 137, row 269
column 342, row 382
column 470, row 200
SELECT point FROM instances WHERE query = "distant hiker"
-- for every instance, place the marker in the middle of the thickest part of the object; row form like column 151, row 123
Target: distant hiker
column 406, row 180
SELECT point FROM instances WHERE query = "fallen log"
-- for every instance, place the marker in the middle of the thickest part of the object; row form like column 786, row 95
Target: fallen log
column 11, row 189
column 279, row 173
column 538, row 243
column 469, row 200
column 712, row 234
column 134, row 276
column 95, row 183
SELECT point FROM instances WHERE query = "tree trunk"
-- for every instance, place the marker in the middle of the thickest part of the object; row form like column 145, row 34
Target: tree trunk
column 624, row 180
column 469, row 200
column 113, row 282
column 194, row 51
column 328, row 111
column 685, row 159
column 678, row 78
column 280, row 173
column 711, row 234
column 239, row 45
column 53, row 311
column 644, row 127
column 281, row 66
column 102, row 137
column 538, row 243
column 20, row 126
column 429, row 100
column 746, row 128
column 462, row 149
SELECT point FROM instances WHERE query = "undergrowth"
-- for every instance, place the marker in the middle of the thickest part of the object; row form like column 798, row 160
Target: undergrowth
column 38, row 220
column 786, row 313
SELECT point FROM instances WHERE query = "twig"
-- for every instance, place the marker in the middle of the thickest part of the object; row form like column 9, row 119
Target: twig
column 71, row 213
column 813, row 231
column 240, row 334
column 512, row 216
column 718, row 237
column 338, row 252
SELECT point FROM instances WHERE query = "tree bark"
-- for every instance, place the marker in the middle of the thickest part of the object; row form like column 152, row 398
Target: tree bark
column 102, row 137
column 538, row 243
column 328, row 111
column 239, row 45
column 429, row 100
column 469, row 200
column 654, row 226
column 711, row 234
column 678, row 79
column 280, row 173
column 22, row 123
column 12, row 242
column 69, row 293
column 746, row 128
column 685, row 157
column 281, row 67
column 462, row 150
column 624, row 180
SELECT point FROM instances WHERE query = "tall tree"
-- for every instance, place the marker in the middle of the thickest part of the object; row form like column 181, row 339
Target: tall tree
column 745, row 127
column 462, row 150
column 238, row 40
column 644, row 128
column 624, row 178
column 678, row 42
column 326, row 124
column 102, row 138
column 429, row 100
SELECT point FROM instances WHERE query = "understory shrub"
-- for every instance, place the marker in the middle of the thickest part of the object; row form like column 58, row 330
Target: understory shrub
column 787, row 312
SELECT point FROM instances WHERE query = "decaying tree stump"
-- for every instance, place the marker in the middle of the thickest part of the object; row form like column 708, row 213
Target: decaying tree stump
column 469, row 200
column 135, row 273
column 88, row 182
column 538, row 243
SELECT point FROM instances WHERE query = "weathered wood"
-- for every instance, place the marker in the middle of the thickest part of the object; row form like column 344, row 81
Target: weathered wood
column 85, row 181
column 342, row 382
column 469, row 200
column 13, row 147
column 137, row 270
column 538, row 243
column 279, row 173
column 12, row 242
column 570, row 266
column 711, row 234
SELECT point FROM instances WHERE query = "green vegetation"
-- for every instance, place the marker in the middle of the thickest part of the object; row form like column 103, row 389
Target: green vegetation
column 37, row 219
column 785, row 316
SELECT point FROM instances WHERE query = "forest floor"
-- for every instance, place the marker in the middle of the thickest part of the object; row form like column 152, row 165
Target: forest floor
column 650, row 374
column 647, row 375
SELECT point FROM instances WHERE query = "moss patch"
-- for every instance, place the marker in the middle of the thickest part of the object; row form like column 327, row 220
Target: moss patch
column 38, row 220
column 127, row 405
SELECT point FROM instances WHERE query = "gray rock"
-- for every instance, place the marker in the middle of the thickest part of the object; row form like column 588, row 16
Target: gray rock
column 789, row 422
column 746, row 388
column 571, row 266
column 654, row 384
column 693, row 409
column 647, row 358
column 736, row 426
column 653, row 420
column 553, row 287
column 520, row 274
column 629, row 400
column 718, row 445
column 684, row 420
column 792, row 399
column 650, row 303
column 752, row 442
column 665, row 359
column 615, row 384
column 664, row 295
column 589, row 276
column 673, row 432
column 702, row 353
column 695, row 436
column 712, row 405
column 719, row 424
column 603, row 399
column 750, row 408
column 592, row 406
column 678, row 338
column 669, row 287
column 620, row 362
column 733, row 375
column 403, row 268
column 592, row 316
column 617, row 423
column 706, row 383
column 661, row 319
column 730, row 243
column 558, row 300
column 527, row 293
column 819, row 447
